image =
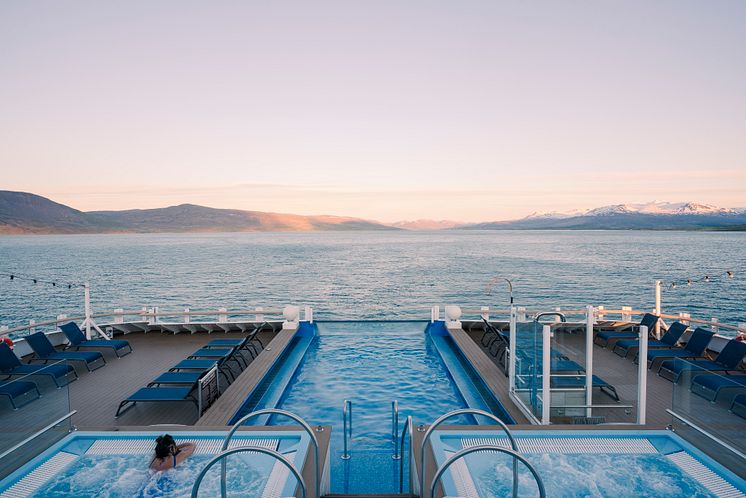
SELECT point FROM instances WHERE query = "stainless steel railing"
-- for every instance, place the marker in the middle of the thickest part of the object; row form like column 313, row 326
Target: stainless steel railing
column 395, row 428
column 406, row 431
column 347, row 428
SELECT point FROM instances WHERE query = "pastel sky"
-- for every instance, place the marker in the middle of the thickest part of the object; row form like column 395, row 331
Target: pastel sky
column 387, row 110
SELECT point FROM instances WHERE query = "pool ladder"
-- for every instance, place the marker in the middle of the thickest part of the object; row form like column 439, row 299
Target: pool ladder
column 346, row 428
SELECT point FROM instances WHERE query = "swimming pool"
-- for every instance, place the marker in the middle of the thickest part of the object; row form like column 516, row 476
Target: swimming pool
column 116, row 466
column 584, row 463
column 372, row 364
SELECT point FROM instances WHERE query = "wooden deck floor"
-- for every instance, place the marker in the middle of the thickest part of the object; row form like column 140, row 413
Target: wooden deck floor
column 96, row 395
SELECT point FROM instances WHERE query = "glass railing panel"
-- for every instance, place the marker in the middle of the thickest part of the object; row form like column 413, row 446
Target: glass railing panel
column 710, row 411
column 29, row 405
column 528, row 366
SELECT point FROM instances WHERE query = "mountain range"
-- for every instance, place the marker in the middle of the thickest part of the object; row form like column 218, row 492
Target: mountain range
column 26, row 213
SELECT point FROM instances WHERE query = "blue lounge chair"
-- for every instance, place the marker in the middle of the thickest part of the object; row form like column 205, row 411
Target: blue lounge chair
column 709, row 386
column 77, row 340
column 694, row 348
column 729, row 359
column 578, row 382
column 177, row 378
column 195, row 365
column 668, row 341
column 246, row 343
column 158, row 394
column 739, row 405
column 604, row 337
column 226, row 355
column 44, row 351
column 11, row 366
column 15, row 389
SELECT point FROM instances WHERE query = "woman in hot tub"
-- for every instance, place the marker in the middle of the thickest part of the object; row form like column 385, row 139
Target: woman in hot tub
column 168, row 454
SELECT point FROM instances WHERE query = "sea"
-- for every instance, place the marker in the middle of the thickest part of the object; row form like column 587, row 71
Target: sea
column 382, row 275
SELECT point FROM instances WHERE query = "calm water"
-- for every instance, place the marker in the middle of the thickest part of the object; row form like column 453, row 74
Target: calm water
column 373, row 274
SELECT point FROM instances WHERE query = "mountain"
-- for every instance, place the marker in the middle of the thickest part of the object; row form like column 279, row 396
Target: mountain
column 427, row 224
column 654, row 215
column 21, row 212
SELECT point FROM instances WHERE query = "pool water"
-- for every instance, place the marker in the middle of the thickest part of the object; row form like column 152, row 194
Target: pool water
column 587, row 475
column 127, row 476
column 370, row 364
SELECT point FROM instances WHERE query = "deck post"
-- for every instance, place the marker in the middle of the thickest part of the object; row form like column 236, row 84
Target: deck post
column 485, row 313
column 546, row 374
column 557, row 318
column 589, row 319
column 259, row 317
column 626, row 313
column 222, row 315
column 87, row 297
column 658, row 310
column 119, row 315
column 187, row 317
column 714, row 324
column 434, row 314
column 308, row 314
column 511, row 353
column 642, row 377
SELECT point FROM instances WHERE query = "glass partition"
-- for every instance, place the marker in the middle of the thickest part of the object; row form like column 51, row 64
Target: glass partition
column 528, row 378
column 33, row 408
column 709, row 410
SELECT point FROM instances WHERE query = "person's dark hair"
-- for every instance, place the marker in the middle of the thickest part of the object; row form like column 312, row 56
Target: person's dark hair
column 163, row 445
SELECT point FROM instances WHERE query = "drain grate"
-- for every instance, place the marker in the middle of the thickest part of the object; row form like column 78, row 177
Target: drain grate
column 462, row 478
column 568, row 445
column 707, row 478
column 145, row 446
column 278, row 477
column 34, row 480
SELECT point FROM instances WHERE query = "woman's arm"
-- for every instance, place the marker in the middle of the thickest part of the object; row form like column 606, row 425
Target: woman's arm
column 185, row 450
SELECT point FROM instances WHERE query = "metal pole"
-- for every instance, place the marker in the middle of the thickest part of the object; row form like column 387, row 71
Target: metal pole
column 395, row 428
column 345, row 452
column 658, row 308
column 589, row 318
column 546, row 374
column 642, row 377
column 512, row 349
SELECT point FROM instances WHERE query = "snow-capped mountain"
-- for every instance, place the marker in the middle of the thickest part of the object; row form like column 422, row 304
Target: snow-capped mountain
column 654, row 207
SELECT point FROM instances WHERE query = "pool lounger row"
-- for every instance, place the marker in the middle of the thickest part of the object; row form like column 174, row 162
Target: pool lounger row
column 77, row 340
column 16, row 389
column 604, row 337
column 183, row 379
column 11, row 366
column 728, row 360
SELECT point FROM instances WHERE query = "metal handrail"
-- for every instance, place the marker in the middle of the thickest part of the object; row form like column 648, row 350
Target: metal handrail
column 245, row 449
column 467, row 411
column 272, row 411
column 395, row 428
column 346, row 429
column 407, row 430
column 37, row 434
column 487, row 447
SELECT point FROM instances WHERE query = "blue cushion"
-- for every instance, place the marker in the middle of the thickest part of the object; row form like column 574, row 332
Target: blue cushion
column 17, row 388
column 161, row 394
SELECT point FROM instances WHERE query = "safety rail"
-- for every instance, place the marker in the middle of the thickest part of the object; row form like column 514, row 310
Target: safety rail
column 272, row 411
column 395, row 428
column 467, row 411
column 36, row 434
column 346, row 428
column 220, row 457
column 498, row 449
column 406, row 431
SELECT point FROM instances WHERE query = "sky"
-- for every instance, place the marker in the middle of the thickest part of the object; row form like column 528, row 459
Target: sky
column 386, row 110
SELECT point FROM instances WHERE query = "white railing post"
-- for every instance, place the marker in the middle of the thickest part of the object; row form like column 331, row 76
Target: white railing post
column 658, row 310
column 87, row 298
column 741, row 329
column 119, row 315
column 714, row 324
column 434, row 314
column 521, row 316
column 155, row 314
column 642, row 377
column 291, row 315
column 31, row 326
column 684, row 318
column 187, row 316
column 546, row 374
column 452, row 316
column 3, row 330
column 511, row 350
column 600, row 312
column 61, row 318
column 557, row 317
column 485, row 313
column 259, row 316
column 626, row 313
column 222, row 315
column 308, row 314
column 589, row 319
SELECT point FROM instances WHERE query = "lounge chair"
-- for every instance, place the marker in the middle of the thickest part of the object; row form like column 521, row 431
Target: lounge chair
column 739, row 405
column 195, row 365
column 77, row 340
column 694, row 348
column 578, row 382
column 15, row 389
column 11, row 366
column 709, row 385
column 177, row 378
column 159, row 394
column 227, row 354
column 729, row 359
column 668, row 341
column 44, row 351
column 245, row 344
column 648, row 320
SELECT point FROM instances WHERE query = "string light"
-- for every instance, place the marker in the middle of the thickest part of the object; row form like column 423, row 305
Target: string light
column 36, row 280
column 707, row 278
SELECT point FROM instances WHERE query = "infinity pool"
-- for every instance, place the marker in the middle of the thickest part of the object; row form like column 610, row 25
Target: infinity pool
column 370, row 364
